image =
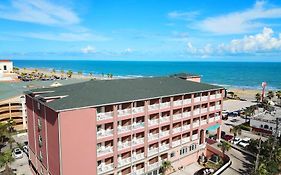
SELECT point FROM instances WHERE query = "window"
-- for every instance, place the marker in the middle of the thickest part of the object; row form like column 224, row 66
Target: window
column 40, row 141
column 183, row 150
column 40, row 156
column 172, row 154
column 192, row 147
column 5, row 67
column 38, row 105
column 39, row 124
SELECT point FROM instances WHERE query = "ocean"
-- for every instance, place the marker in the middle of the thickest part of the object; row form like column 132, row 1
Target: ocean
column 248, row 75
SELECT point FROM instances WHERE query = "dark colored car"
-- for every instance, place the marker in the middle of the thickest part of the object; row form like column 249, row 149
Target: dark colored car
column 227, row 137
column 204, row 171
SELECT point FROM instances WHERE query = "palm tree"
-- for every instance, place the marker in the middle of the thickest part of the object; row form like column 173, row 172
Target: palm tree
column 10, row 127
column 166, row 165
column 69, row 73
column 258, row 97
column 278, row 95
column 80, row 73
column 225, row 146
column 270, row 94
column 91, row 74
column 236, row 130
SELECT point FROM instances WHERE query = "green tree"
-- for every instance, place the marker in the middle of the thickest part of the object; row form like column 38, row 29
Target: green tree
column 165, row 166
column 236, row 130
column 69, row 73
column 225, row 146
column 258, row 97
column 6, row 158
column 80, row 72
column 62, row 71
column 10, row 127
column 278, row 95
column 270, row 94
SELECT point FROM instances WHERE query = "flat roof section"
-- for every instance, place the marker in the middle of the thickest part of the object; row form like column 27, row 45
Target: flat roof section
column 101, row 92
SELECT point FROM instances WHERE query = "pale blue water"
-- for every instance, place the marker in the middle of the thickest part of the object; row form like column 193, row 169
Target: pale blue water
column 238, row 74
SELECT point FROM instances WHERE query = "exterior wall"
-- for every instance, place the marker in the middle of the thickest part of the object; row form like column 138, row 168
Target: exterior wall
column 268, row 126
column 8, row 64
column 78, row 142
column 195, row 79
column 14, row 108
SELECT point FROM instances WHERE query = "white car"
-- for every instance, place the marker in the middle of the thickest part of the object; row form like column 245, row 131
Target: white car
column 17, row 153
column 244, row 142
column 236, row 140
column 25, row 149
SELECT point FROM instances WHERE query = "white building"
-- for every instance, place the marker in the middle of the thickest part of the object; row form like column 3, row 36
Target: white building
column 6, row 66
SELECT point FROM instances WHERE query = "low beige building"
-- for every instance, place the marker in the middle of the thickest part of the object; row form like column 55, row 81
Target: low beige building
column 6, row 66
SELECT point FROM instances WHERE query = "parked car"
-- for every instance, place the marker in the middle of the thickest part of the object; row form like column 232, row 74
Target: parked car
column 236, row 140
column 25, row 149
column 227, row 137
column 244, row 142
column 17, row 153
column 204, row 171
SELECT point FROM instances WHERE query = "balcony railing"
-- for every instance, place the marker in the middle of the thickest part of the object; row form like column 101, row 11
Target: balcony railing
column 176, row 143
column 176, row 116
column 204, row 110
column 185, row 139
column 163, row 147
column 136, row 110
column 124, row 112
column 104, row 115
column 195, row 124
column 102, row 168
column 186, row 114
column 194, row 137
column 197, row 99
column 218, row 107
column 212, row 97
column 218, row 95
column 152, row 122
column 136, row 157
column 153, row 166
column 152, row 151
column 211, row 119
column 123, row 145
column 138, row 141
column 125, row 161
column 122, row 129
column 138, row 172
column 165, row 105
column 204, row 98
column 104, row 133
column 186, row 101
column 153, row 107
column 196, row 111
column 177, row 103
column 186, row 127
column 153, row 136
column 104, row 150
column 138, row 125
column 164, row 119
column 176, row 130
column 217, row 118
column 164, row 133
column 212, row 108
column 203, row 122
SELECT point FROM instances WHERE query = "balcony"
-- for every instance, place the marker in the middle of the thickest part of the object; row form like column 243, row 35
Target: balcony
column 194, row 137
column 176, row 130
column 186, row 127
column 211, row 119
column 104, row 133
column 137, row 157
column 212, row 108
column 204, row 98
column 153, row 166
column 125, row 161
column 124, row 112
column 123, row 145
column 137, row 110
column 186, row 114
column 196, row 111
column 122, row 129
column 177, row 103
column 163, row 147
column 164, row 119
column 104, row 115
column 153, row 107
column 203, row 122
column 204, row 110
column 138, row 125
column 186, row 101
column 177, row 116
column 102, row 168
column 153, row 136
column 197, row 99
column 176, row 143
column 165, row 105
column 136, row 141
column 218, row 95
column 104, row 150
column 164, row 133
column 217, row 118
column 195, row 124
column 138, row 172
column 218, row 107
column 212, row 97
column 152, row 122
column 185, row 140
column 152, row 151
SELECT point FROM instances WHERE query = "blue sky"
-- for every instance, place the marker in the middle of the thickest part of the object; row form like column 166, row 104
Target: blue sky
column 141, row 30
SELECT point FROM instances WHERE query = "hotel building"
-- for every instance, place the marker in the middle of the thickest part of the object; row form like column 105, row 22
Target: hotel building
column 122, row 126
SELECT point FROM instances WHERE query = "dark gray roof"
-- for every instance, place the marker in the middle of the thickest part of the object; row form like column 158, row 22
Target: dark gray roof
column 100, row 92
column 184, row 75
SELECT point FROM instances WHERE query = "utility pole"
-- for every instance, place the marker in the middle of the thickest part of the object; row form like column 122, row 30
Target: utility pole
column 258, row 156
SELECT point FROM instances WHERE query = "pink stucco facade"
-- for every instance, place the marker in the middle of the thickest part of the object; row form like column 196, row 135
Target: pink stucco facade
column 132, row 137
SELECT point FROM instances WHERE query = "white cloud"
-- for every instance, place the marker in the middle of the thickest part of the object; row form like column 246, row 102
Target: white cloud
column 183, row 15
column 128, row 50
column 39, row 12
column 88, row 49
column 240, row 22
